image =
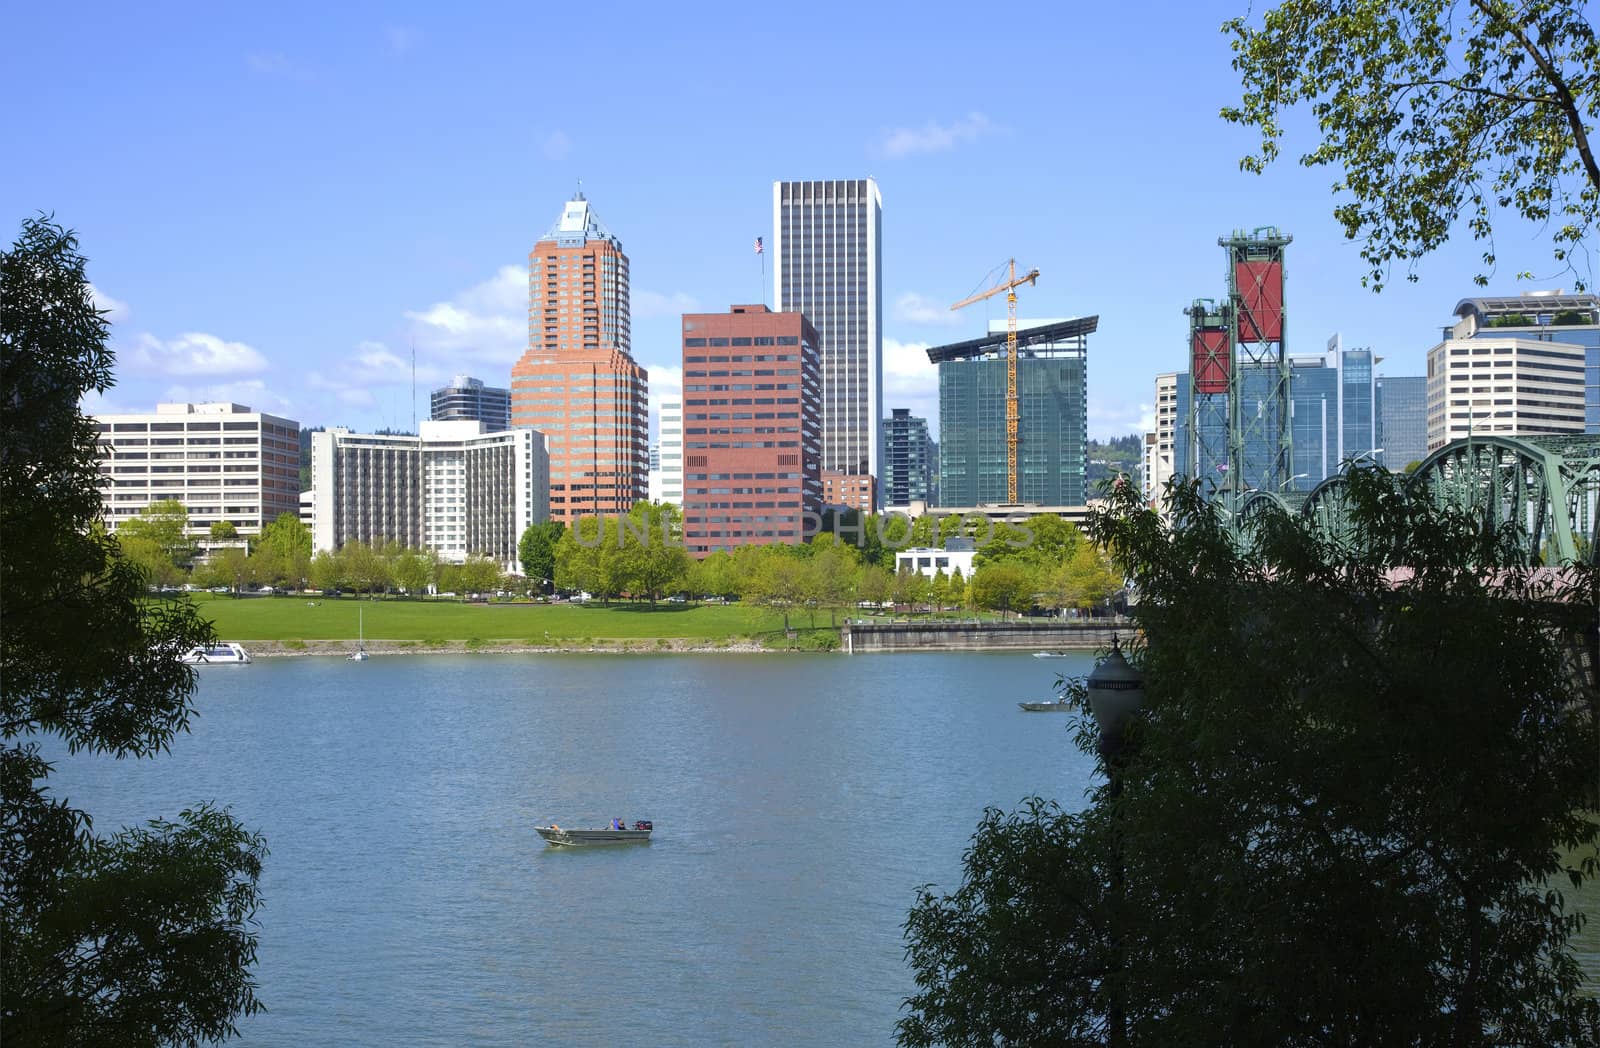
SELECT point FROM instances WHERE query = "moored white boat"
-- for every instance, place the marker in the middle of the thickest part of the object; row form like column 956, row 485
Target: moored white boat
column 1059, row 706
column 1052, row 654
column 560, row 837
column 360, row 654
column 225, row 653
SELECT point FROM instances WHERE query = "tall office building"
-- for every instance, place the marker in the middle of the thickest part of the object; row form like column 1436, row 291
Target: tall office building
column 222, row 461
column 454, row 489
column 1402, row 409
column 577, row 383
column 1160, row 458
column 1053, row 428
column 1524, row 365
column 827, row 248
column 908, row 460
column 1333, row 417
column 467, row 399
column 752, row 439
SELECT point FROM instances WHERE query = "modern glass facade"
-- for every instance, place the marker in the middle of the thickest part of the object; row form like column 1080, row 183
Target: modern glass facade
column 1402, row 405
column 1333, row 417
column 908, row 459
column 1052, row 431
column 467, row 399
column 826, row 257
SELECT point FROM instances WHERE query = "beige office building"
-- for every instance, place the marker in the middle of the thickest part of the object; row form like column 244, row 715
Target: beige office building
column 222, row 461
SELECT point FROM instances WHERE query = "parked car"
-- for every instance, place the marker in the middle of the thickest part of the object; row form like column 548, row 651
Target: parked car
column 677, row 598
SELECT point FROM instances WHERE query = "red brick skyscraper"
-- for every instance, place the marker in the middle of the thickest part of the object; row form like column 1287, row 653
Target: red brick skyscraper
column 577, row 383
column 752, row 428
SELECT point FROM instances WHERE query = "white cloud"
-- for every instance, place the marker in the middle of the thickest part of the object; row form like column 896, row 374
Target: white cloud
column 665, row 381
column 193, row 354
column 276, row 63
column 488, row 321
column 116, row 309
column 401, row 38
column 913, row 308
column 934, row 137
column 252, row 392
column 910, row 380
column 646, row 304
column 556, row 145
column 372, row 364
column 1118, row 418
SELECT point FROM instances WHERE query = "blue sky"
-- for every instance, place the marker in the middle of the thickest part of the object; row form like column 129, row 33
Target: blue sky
column 277, row 202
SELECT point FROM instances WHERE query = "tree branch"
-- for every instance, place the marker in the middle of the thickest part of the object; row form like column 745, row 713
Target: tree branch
column 1568, row 104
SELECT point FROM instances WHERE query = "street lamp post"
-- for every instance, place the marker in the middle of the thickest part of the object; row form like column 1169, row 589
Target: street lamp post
column 1116, row 692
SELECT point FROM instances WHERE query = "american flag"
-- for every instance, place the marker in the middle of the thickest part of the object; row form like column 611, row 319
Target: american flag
column 758, row 245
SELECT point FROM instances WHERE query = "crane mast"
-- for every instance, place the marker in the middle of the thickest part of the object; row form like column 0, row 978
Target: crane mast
column 1013, row 407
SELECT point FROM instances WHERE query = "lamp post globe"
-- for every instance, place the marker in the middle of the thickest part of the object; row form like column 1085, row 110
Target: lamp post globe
column 1116, row 692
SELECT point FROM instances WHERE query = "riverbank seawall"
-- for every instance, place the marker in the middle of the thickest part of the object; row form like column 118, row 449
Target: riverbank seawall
column 858, row 638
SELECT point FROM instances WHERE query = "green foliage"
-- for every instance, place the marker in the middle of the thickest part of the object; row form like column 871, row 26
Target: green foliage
column 413, row 570
column 157, row 541
column 222, row 530
column 1433, row 111
column 537, row 549
column 144, row 937
column 1342, row 812
column 479, row 575
column 1003, row 586
column 1510, row 320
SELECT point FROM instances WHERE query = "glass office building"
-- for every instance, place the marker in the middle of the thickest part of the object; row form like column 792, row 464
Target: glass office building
column 1402, row 405
column 1333, row 417
column 1052, row 430
column 908, row 459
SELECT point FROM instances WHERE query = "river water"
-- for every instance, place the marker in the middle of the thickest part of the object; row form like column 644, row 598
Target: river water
column 798, row 803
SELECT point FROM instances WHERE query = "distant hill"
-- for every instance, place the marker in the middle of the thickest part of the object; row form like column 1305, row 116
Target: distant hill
column 1117, row 455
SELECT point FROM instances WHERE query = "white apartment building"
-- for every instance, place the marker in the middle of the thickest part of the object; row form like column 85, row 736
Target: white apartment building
column 1160, row 455
column 1483, row 383
column 222, row 461
column 671, row 444
column 453, row 489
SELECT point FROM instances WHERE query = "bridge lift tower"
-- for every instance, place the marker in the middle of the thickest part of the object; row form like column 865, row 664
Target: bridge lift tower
column 1241, row 427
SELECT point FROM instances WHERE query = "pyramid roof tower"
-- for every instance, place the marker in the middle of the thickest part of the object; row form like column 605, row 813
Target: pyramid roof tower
column 579, row 224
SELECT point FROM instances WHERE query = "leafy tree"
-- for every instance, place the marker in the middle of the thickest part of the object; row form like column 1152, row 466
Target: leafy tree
column 776, row 579
column 874, row 584
column 715, row 576
column 412, row 571
column 1431, row 111
column 143, row 937
column 286, row 546
column 912, row 588
column 223, row 530
column 537, row 549
column 832, row 570
column 1347, row 812
column 1003, row 586
column 958, row 588
column 450, row 579
column 480, row 575
column 362, row 567
column 234, row 567
column 326, row 572
column 657, row 561
column 158, row 541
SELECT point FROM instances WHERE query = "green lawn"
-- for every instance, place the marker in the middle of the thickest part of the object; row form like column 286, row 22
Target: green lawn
column 315, row 618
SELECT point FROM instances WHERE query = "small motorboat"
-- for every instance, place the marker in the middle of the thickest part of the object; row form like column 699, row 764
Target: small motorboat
column 1052, row 654
column 225, row 653
column 1058, row 706
column 619, row 834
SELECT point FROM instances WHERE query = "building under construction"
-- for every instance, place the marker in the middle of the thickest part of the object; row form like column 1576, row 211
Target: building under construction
column 1052, row 427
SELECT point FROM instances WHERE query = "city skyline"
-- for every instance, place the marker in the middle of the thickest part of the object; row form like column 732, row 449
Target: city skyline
column 296, row 205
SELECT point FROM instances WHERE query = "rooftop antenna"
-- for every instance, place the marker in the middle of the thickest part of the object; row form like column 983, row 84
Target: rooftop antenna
column 413, row 385
column 579, row 194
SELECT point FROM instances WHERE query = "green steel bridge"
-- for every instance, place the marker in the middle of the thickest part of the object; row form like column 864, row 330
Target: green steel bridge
column 1550, row 486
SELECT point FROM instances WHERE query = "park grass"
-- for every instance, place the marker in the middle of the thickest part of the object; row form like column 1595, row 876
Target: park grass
column 435, row 623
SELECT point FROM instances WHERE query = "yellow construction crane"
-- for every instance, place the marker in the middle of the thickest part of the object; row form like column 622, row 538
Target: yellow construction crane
column 1013, row 414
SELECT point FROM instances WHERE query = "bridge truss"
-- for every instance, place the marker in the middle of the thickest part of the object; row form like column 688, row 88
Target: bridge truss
column 1549, row 487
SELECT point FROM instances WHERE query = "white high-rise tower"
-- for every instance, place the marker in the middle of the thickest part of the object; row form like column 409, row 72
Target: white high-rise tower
column 827, row 246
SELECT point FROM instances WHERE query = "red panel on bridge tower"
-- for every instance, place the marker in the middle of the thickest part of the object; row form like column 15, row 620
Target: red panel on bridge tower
column 1260, row 302
column 1212, row 359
